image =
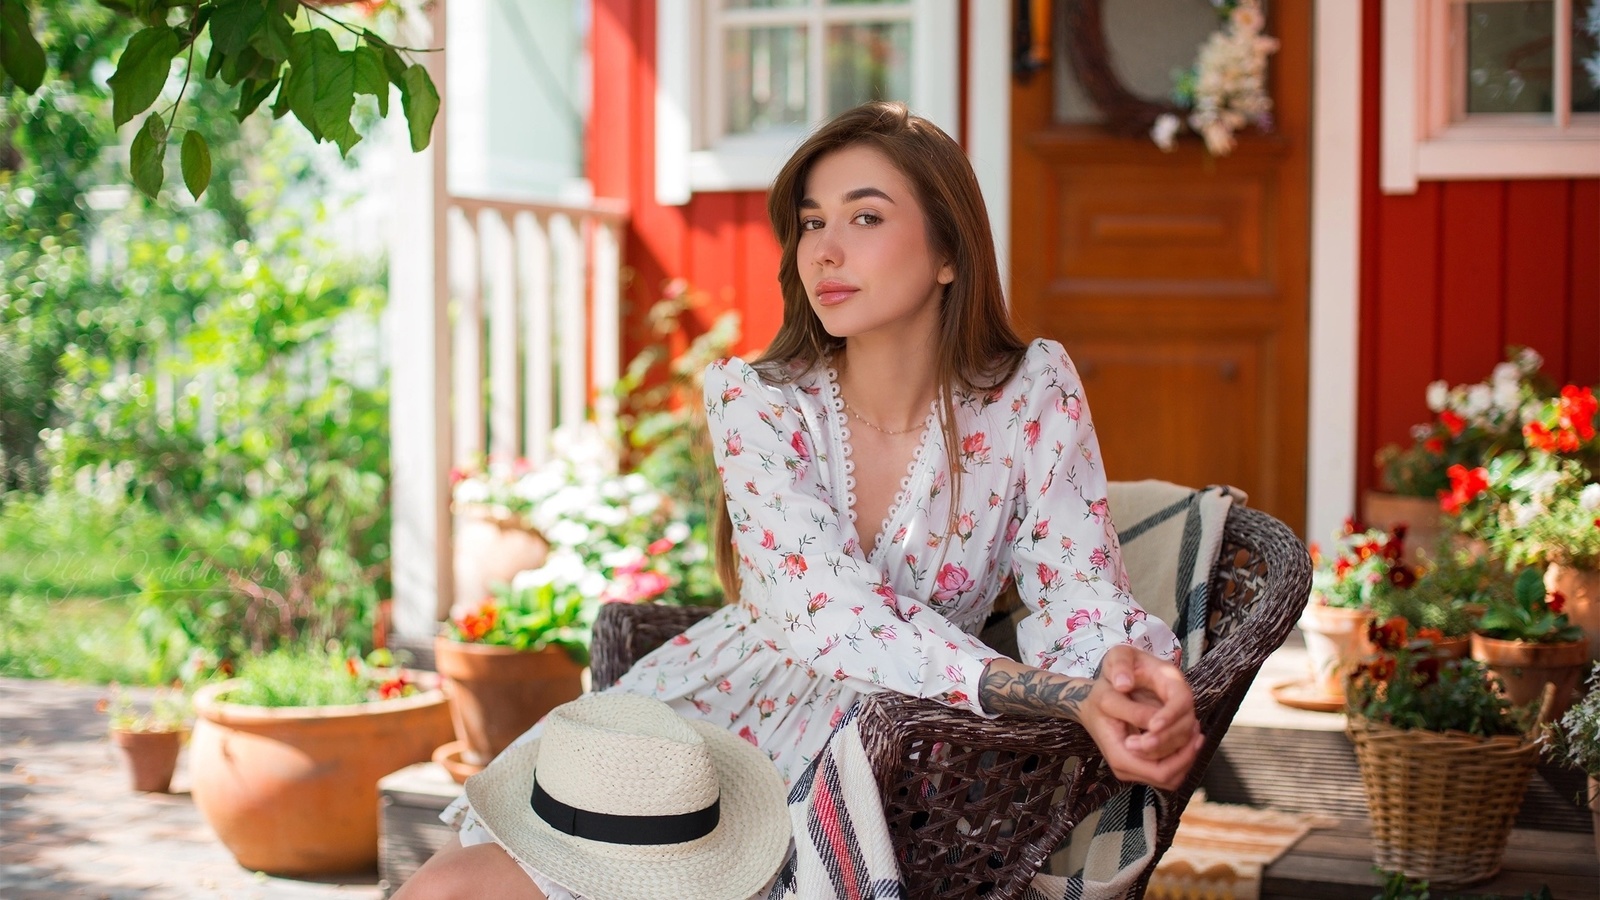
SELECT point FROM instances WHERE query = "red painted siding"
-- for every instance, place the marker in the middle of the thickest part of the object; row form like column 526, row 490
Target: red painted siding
column 1454, row 273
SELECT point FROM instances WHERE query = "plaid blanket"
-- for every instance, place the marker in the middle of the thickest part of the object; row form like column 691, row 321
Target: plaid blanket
column 842, row 846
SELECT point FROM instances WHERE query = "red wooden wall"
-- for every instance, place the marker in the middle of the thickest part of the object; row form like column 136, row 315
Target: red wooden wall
column 720, row 241
column 1454, row 273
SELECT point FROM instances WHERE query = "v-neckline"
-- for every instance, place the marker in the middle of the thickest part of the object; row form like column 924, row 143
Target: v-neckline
column 843, row 450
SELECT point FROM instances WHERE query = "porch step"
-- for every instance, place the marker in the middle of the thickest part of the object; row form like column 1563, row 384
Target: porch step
column 409, row 830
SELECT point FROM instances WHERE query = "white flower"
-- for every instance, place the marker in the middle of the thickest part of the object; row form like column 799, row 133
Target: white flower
column 1438, row 395
column 472, row 491
column 1478, row 401
column 1589, row 497
column 1539, row 485
column 1165, row 130
column 566, row 533
column 1523, row 513
column 625, row 556
column 1247, row 18
column 677, row 532
column 1528, row 359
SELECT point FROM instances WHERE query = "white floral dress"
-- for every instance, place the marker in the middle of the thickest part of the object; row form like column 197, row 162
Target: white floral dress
column 819, row 622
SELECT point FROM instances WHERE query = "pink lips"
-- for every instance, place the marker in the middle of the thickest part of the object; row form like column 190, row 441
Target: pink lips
column 832, row 293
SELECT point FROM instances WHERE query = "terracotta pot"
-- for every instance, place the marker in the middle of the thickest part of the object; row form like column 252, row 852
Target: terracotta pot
column 1336, row 639
column 497, row 693
column 1454, row 647
column 489, row 551
column 1525, row 666
column 294, row 790
column 1424, row 523
column 152, row 757
column 1581, row 587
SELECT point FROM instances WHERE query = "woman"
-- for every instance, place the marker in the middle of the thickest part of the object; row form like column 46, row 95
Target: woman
column 894, row 457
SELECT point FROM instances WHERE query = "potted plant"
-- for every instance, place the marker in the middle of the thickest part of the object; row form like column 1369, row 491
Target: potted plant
column 494, row 539
column 286, row 758
column 149, row 738
column 1344, row 582
column 1444, row 758
column 1575, row 741
column 1525, row 639
column 1444, row 604
column 1471, row 424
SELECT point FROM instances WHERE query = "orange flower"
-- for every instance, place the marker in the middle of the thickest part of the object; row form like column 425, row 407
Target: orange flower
column 1390, row 635
column 1466, row 485
column 473, row 626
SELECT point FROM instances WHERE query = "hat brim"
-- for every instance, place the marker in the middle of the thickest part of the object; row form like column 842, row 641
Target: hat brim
column 733, row 862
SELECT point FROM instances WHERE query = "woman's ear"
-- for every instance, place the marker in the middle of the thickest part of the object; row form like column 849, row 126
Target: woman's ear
column 947, row 273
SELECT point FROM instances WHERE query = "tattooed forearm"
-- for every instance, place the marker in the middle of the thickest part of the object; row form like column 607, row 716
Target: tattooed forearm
column 1009, row 687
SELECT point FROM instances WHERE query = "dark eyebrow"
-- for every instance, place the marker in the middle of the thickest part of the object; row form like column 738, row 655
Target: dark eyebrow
column 850, row 197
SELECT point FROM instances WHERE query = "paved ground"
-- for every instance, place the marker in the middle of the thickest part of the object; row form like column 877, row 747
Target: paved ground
column 71, row 827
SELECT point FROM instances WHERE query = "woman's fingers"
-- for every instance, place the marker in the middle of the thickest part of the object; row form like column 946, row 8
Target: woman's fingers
column 1167, row 773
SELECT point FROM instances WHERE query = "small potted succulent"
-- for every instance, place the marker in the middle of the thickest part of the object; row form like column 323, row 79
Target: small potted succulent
column 1574, row 740
column 149, row 737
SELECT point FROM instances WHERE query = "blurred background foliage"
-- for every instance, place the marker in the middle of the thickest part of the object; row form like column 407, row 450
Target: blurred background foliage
column 193, row 407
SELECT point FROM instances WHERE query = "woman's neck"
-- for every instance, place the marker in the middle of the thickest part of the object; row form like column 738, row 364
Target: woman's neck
column 891, row 385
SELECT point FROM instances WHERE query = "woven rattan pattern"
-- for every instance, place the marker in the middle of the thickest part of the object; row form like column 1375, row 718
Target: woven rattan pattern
column 1442, row 804
column 975, row 805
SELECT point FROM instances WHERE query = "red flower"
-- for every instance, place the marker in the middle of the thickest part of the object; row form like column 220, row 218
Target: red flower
column 473, row 626
column 1434, row 445
column 1452, row 423
column 1402, row 577
column 1466, row 485
column 659, row 546
column 351, row 667
column 1578, row 410
column 1390, row 635
column 1556, row 601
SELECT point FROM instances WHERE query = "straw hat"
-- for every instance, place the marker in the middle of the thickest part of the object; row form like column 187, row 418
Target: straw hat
column 620, row 798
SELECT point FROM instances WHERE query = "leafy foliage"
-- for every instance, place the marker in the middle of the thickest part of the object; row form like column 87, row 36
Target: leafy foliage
column 262, row 48
column 318, row 677
column 1575, row 739
column 1406, row 685
column 1528, row 614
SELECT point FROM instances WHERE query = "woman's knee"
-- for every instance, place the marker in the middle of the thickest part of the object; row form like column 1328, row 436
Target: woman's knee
column 469, row 873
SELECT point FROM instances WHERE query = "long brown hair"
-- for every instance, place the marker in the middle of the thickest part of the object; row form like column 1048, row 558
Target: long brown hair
column 978, row 349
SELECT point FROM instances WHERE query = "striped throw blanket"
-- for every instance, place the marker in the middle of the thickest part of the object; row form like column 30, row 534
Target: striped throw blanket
column 1170, row 538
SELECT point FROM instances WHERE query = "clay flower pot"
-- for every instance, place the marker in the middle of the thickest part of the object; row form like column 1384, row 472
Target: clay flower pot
column 1581, row 587
column 152, row 757
column 1525, row 666
column 294, row 790
column 491, row 550
column 1424, row 523
column 496, row 693
column 1336, row 639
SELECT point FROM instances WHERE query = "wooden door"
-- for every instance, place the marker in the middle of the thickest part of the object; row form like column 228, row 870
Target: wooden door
column 1177, row 281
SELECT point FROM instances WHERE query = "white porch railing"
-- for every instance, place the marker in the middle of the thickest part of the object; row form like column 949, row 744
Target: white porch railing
column 536, row 330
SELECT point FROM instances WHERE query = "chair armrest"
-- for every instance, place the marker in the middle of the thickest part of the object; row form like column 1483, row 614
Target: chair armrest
column 626, row 632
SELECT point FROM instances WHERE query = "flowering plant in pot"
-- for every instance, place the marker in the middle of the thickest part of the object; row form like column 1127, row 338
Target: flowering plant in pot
column 286, row 758
column 1575, row 741
column 1361, row 566
column 150, row 736
column 1444, row 758
column 1525, row 639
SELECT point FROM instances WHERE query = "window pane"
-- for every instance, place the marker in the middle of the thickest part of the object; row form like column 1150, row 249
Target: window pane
column 1585, row 56
column 765, row 83
column 868, row 62
column 1510, row 57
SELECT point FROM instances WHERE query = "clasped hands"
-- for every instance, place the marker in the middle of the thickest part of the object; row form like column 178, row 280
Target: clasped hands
column 1140, row 712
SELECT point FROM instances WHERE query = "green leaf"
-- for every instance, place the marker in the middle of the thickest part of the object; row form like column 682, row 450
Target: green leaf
column 421, row 102
column 234, row 23
column 394, row 65
column 251, row 94
column 148, row 156
column 274, row 41
column 20, row 52
column 322, row 88
column 214, row 62
column 370, row 77
column 196, row 158
column 141, row 72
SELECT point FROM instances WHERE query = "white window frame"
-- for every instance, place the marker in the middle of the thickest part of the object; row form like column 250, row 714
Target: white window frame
column 1421, row 139
column 687, row 162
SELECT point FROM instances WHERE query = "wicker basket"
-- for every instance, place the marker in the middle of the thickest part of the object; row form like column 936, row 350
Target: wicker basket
column 1442, row 804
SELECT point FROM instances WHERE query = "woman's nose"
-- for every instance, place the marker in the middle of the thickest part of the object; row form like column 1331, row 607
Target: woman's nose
column 825, row 248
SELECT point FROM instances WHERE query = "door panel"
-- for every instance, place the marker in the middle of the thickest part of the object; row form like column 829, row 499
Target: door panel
column 1178, row 282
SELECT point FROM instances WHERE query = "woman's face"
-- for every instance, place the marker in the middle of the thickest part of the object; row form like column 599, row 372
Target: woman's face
column 863, row 252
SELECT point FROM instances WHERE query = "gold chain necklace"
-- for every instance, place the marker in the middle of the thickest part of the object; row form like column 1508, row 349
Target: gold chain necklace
column 874, row 425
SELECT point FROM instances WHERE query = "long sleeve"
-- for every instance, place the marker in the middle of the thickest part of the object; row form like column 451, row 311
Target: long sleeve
column 841, row 616
column 1065, row 554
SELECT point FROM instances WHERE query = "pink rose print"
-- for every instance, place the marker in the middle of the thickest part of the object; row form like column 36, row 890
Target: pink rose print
column 815, row 602
column 884, row 633
column 953, row 674
column 733, row 445
column 1099, row 558
column 1134, row 617
column 956, row 698
column 1048, row 577
column 899, row 535
column 1066, row 543
column 975, row 446
column 1030, row 432
column 1041, row 529
column 725, row 686
column 767, row 706
column 952, row 580
column 794, row 565
column 994, row 499
column 887, row 593
column 749, row 735
column 768, row 540
column 1071, row 405
column 731, row 394
column 681, row 640
column 838, row 714
column 750, row 487
column 798, row 443
column 965, row 525
column 1011, row 529
column 702, row 706
column 1082, row 617
column 1100, row 509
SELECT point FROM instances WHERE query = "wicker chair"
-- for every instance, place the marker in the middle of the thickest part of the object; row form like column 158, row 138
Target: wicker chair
column 975, row 806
